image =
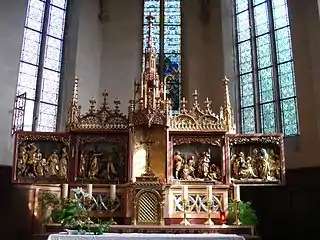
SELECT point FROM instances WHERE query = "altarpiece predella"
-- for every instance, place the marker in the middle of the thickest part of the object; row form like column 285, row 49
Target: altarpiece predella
column 163, row 163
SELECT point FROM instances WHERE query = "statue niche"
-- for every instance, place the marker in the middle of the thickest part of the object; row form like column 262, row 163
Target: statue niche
column 101, row 160
column 197, row 162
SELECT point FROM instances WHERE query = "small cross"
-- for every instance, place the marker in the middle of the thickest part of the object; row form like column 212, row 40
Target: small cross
column 148, row 144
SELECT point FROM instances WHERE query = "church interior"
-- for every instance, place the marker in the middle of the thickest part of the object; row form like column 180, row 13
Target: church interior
column 160, row 117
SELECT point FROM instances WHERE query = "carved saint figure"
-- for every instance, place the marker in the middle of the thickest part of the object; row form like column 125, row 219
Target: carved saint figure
column 32, row 160
column 53, row 163
column 265, row 165
column 177, row 161
column 214, row 173
column 63, row 163
column 82, row 169
column 22, row 159
column 94, row 164
column 204, row 164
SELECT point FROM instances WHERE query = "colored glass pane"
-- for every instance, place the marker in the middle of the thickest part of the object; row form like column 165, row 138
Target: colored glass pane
column 243, row 26
column 248, row 120
column 268, row 120
column 266, row 85
column 266, row 72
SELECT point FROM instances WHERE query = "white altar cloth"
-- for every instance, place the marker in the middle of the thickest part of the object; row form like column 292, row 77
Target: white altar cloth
column 146, row 236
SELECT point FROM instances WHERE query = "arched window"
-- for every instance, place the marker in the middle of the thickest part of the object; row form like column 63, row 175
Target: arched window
column 40, row 64
column 167, row 39
column 267, row 90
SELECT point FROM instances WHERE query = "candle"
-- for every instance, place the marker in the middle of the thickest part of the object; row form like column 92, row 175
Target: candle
column 236, row 192
column 209, row 193
column 65, row 190
column 113, row 192
column 185, row 193
column 89, row 189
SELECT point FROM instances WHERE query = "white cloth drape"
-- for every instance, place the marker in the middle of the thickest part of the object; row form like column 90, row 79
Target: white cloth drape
column 138, row 236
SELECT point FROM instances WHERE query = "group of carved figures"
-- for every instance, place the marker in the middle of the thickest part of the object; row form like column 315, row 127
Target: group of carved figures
column 97, row 165
column 258, row 165
column 186, row 168
column 32, row 163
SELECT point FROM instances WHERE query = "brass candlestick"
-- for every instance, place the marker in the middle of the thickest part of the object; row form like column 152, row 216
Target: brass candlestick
column 185, row 221
column 209, row 221
column 113, row 207
column 237, row 221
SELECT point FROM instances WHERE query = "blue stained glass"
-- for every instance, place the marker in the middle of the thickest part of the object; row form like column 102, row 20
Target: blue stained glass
column 248, row 120
column 289, row 116
column 246, row 90
column 266, row 85
column 59, row 3
column 243, row 26
column 280, row 13
column 241, row 5
column 268, row 120
column 172, row 39
column 245, row 57
column 283, row 45
column 286, row 80
column 261, row 19
column 264, row 51
column 155, row 39
column 172, row 63
column 172, row 12
column 152, row 7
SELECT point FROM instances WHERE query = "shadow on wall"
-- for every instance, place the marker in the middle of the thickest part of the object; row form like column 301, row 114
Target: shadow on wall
column 291, row 211
column 16, row 220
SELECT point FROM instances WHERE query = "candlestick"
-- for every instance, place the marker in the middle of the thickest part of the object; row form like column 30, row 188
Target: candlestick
column 185, row 193
column 113, row 192
column 89, row 189
column 65, row 190
column 236, row 193
column 209, row 193
column 209, row 221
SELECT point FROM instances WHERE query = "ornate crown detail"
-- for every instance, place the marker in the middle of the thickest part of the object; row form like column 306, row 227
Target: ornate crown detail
column 203, row 119
column 103, row 118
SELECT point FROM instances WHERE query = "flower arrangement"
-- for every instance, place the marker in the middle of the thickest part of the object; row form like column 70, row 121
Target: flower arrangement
column 247, row 214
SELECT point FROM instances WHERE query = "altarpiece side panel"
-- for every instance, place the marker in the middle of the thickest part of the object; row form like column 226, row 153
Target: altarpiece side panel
column 256, row 159
column 102, row 158
column 41, row 157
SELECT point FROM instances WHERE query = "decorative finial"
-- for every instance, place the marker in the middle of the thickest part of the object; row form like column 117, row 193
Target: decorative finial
column 225, row 80
column 207, row 103
column 92, row 105
column 195, row 98
column 75, row 90
column 150, row 19
column 116, row 105
column 183, row 105
column 105, row 95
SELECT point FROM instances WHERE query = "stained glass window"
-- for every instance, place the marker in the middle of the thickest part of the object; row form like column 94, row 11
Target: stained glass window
column 40, row 64
column 167, row 39
column 265, row 66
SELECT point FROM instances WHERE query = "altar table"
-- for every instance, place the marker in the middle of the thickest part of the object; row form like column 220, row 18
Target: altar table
column 140, row 236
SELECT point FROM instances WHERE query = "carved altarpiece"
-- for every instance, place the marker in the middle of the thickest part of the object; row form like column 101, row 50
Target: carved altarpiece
column 151, row 154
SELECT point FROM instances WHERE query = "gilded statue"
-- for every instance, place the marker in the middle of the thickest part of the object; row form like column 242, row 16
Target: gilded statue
column 22, row 159
column 32, row 161
column 258, row 165
column 63, row 164
column 53, row 163
column 94, row 164
column 177, row 161
column 83, row 162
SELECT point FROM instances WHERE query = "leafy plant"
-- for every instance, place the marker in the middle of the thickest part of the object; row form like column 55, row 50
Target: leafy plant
column 71, row 214
column 247, row 214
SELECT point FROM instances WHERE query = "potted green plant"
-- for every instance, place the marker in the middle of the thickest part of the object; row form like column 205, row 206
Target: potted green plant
column 246, row 213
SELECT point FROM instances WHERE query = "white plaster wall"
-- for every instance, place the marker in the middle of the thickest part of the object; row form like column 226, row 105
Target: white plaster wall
column 122, row 48
column 89, row 50
column 12, row 15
